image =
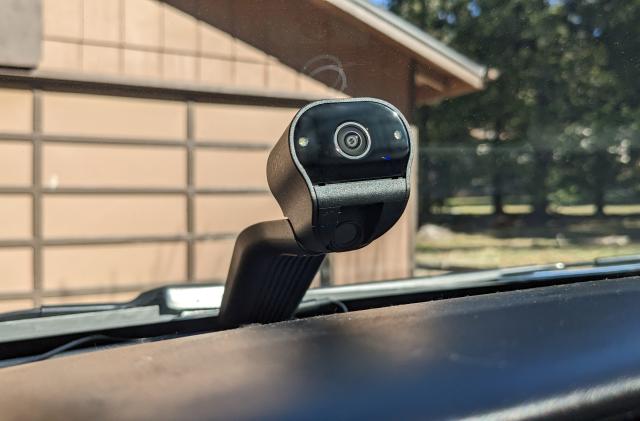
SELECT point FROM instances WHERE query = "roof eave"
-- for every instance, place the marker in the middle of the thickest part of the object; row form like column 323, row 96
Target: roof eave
column 423, row 48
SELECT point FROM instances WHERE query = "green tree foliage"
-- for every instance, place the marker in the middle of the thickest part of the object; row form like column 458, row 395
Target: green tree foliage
column 562, row 120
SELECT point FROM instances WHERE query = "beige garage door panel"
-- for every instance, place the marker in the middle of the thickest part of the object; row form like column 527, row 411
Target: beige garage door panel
column 231, row 169
column 113, row 166
column 113, row 266
column 91, row 115
column 142, row 22
column 73, row 216
column 241, row 123
column 60, row 56
column 233, row 213
column 281, row 77
column 212, row 259
column 62, row 18
column 15, row 163
column 16, row 273
column 101, row 20
column 15, row 217
column 15, row 111
column 91, row 299
column 14, row 305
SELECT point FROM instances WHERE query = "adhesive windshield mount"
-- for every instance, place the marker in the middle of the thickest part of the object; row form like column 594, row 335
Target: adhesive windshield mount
column 341, row 175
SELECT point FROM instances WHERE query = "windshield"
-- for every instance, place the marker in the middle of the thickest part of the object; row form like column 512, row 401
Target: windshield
column 134, row 135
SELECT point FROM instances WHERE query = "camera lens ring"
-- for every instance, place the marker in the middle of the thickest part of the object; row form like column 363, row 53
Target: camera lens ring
column 347, row 128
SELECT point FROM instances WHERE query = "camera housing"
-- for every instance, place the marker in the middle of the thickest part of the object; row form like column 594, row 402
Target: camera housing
column 341, row 175
column 335, row 198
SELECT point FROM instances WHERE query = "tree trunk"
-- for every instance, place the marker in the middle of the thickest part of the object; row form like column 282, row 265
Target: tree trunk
column 603, row 167
column 425, row 199
column 425, row 202
column 496, row 194
column 599, row 200
column 539, row 190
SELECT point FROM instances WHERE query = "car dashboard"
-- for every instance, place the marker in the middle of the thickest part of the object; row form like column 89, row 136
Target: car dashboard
column 557, row 351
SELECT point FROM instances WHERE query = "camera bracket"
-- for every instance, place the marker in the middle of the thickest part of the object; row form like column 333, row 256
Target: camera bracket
column 268, row 276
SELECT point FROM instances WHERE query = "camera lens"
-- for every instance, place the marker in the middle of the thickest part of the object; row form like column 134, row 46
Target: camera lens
column 352, row 140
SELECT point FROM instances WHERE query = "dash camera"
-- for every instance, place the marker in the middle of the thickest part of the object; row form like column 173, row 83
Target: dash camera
column 341, row 175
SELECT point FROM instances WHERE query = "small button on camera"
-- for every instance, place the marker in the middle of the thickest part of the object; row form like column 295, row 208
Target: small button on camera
column 346, row 234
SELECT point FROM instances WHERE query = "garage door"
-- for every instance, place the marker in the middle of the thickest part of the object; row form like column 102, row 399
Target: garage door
column 104, row 196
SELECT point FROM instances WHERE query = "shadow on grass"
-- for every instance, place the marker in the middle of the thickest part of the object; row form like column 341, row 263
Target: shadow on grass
column 576, row 229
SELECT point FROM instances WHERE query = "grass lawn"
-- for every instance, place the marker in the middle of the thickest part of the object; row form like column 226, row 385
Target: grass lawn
column 476, row 241
column 481, row 205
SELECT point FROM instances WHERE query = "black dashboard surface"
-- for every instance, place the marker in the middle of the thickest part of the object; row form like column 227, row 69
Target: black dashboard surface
column 565, row 351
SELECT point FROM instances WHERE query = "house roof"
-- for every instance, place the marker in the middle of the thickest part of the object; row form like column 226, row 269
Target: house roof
column 435, row 70
column 424, row 48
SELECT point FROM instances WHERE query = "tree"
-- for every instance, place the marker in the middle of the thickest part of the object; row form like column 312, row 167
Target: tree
column 568, row 68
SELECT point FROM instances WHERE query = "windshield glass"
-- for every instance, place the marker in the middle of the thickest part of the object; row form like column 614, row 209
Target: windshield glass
column 542, row 165
column 134, row 135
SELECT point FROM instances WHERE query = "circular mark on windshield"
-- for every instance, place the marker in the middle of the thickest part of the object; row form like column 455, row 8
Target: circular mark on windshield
column 329, row 68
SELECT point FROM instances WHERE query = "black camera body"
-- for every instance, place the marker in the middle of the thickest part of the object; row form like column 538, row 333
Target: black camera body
column 341, row 175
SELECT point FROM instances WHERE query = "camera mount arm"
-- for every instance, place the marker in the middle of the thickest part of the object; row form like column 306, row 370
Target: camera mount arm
column 268, row 276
